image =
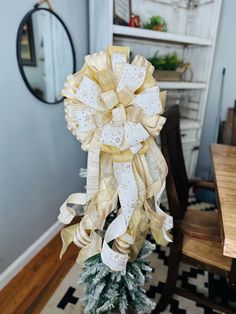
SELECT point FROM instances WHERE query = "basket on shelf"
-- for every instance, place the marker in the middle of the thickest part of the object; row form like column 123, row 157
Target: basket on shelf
column 174, row 75
column 170, row 67
column 163, row 75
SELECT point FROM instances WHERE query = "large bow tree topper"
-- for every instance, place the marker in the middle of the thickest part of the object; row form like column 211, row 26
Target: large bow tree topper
column 114, row 109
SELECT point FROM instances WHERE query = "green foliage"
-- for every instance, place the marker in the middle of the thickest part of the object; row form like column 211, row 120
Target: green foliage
column 169, row 62
column 107, row 291
column 155, row 21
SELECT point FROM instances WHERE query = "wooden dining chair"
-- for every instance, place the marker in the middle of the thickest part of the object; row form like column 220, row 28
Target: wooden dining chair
column 196, row 234
column 227, row 132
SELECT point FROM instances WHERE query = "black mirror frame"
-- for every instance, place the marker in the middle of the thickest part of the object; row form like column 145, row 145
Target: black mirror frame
column 19, row 60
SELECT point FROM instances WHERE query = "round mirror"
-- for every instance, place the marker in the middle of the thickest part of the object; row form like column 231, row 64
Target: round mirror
column 45, row 54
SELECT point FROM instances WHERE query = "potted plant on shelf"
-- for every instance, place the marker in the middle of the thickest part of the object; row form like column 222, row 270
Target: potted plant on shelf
column 169, row 67
column 156, row 23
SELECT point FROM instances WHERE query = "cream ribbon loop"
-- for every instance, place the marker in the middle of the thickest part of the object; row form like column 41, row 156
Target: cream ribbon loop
column 67, row 212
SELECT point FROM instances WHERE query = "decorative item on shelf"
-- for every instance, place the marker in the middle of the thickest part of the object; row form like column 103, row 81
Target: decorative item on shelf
column 134, row 21
column 122, row 12
column 114, row 109
column 156, row 23
column 170, row 67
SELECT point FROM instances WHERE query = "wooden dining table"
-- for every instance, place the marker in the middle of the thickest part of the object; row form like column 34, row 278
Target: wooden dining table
column 224, row 172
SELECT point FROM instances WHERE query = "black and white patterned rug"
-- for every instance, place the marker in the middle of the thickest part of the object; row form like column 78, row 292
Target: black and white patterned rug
column 66, row 298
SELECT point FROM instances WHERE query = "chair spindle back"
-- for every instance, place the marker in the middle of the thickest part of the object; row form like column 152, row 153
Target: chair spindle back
column 177, row 185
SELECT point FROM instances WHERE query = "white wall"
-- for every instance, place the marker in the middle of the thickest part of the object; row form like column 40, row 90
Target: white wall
column 224, row 57
column 39, row 158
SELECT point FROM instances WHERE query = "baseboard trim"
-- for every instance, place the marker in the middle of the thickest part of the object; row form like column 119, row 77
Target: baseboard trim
column 24, row 258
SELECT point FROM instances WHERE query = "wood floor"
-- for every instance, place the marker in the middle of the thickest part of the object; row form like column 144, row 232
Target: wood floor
column 30, row 290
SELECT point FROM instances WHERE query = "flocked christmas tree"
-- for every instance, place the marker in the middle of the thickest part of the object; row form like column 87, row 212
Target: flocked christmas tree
column 107, row 291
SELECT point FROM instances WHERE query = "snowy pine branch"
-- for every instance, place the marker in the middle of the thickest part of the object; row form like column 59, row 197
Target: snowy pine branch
column 107, row 291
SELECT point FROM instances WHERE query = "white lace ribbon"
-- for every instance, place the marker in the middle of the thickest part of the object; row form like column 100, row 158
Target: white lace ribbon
column 128, row 195
column 149, row 101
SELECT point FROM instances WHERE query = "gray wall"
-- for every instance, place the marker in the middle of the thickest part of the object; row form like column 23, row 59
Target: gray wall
column 39, row 158
column 224, row 57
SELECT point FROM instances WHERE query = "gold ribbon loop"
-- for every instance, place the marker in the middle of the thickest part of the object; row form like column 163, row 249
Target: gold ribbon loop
column 98, row 61
column 158, row 220
column 119, row 50
column 118, row 114
column 106, row 80
column 125, row 96
column 110, row 99
column 122, row 244
column 141, row 61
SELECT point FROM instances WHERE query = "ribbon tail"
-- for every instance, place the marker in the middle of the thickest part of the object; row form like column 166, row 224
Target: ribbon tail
column 128, row 196
column 67, row 236
column 93, row 166
column 111, row 258
column 67, row 213
column 160, row 235
column 160, row 222
column 90, row 250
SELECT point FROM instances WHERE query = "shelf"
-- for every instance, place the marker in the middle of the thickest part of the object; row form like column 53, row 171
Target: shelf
column 186, row 124
column 126, row 31
column 181, row 85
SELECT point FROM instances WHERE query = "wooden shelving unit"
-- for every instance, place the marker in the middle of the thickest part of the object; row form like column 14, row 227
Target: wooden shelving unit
column 192, row 33
column 126, row 31
column 181, row 85
column 188, row 124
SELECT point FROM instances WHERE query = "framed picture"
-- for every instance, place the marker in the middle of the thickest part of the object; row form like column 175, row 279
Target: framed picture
column 27, row 44
column 122, row 11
